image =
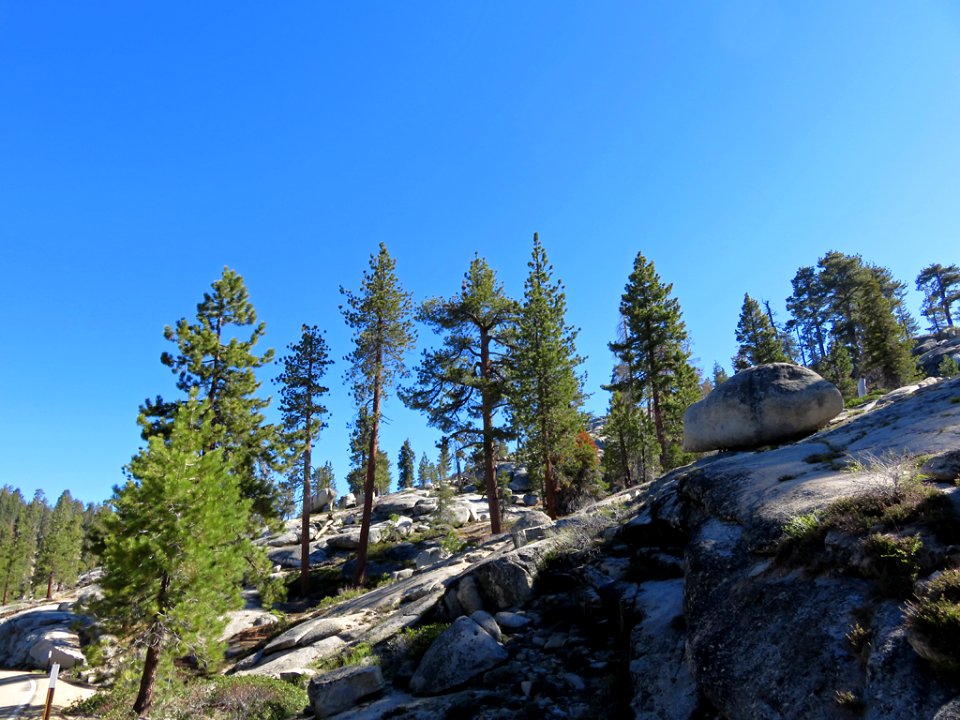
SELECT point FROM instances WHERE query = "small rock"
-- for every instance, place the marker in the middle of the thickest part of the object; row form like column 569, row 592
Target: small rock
column 486, row 621
column 469, row 595
column 511, row 620
column 556, row 641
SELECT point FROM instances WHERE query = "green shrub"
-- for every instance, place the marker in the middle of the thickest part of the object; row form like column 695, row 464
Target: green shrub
column 894, row 562
column 416, row 641
column 359, row 654
column 802, row 526
column 218, row 698
column 935, row 618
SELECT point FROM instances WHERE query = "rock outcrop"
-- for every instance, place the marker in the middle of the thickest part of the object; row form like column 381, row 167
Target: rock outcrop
column 759, row 406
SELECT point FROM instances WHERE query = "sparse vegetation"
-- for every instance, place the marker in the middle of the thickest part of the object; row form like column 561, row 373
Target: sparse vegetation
column 219, row 698
column 934, row 619
column 359, row 654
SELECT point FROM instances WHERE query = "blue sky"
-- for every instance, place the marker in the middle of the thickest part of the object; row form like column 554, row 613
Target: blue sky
column 144, row 146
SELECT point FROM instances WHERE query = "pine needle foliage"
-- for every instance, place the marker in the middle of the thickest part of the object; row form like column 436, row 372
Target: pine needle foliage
column 173, row 558
column 465, row 379
column 380, row 315
column 758, row 339
column 545, row 390
column 217, row 364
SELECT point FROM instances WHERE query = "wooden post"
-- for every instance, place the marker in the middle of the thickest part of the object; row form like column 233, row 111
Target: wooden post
column 54, row 671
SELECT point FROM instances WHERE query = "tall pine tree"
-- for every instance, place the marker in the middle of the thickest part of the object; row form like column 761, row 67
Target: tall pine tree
column 220, row 366
column 545, row 392
column 405, row 465
column 58, row 557
column 655, row 350
column 465, row 379
column 940, row 286
column 758, row 339
column 301, row 392
column 380, row 316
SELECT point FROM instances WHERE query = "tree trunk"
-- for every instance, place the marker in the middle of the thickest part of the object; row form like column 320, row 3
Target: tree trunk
column 370, row 482
column 548, row 479
column 626, row 459
column 305, row 517
column 486, row 412
column 152, row 661
column 50, row 585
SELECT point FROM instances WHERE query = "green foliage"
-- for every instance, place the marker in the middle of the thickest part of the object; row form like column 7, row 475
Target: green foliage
column 58, row 556
column 838, row 369
column 405, row 468
column 20, row 524
column 893, row 562
column 359, row 654
column 948, row 367
column 426, row 472
column 887, row 361
column 802, row 526
column 359, row 452
column 654, row 352
column 940, row 286
column 174, row 550
column 465, row 378
column 233, row 697
column 414, row 642
column 935, row 617
column 221, row 370
column 451, row 542
column 545, row 390
column 759, row 341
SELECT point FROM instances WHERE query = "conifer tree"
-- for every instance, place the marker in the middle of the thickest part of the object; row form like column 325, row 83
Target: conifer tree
column 719, row 375
column 655, row 349
column 940, row 286
column 629, row 439
column 18, row 542
column 838, row 369
column 405, row 468
column 808, row 305
column 426, row 472
column 359, row 452
column 443, row 460
column 61, row 544
column 758, row 340
column 887, row 361
column 383, row 333
column 221, row 367
column 173, row 558
column 465, row 379
column 545, row 392
column 301, row 392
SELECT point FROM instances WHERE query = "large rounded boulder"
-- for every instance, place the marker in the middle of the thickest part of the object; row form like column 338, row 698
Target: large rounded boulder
column 761, row 405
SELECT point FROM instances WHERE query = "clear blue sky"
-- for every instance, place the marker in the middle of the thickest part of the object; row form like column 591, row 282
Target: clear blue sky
column 143, row 146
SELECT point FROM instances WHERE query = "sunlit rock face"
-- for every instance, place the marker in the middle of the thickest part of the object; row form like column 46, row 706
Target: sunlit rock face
column 762, row 405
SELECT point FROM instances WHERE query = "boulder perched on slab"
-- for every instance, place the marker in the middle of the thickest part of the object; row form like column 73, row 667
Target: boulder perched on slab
column 759, row 406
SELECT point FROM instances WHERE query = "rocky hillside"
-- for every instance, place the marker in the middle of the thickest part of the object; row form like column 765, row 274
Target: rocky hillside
column 807, row 580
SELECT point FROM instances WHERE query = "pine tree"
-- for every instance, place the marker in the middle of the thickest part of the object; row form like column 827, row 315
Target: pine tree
column 808, row 305
column 221, row 368
column 545, row 392
column 426, row 472
column 323, row 478
column 887, row 361
column 405, row 468
column 19, row 527
column 654, row 348
column 60, row 547
column 941, row 289
column 173, row 559
column 719, row 375
column 359, row 453
column 301, row 392
column 624, row 456
column 758, row 340
column 838, row 369
column 443, row 460
column 382, row 334
column 466, row 377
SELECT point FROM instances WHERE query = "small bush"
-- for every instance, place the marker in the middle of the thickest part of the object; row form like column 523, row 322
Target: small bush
column 894, row 562
column 451, row 542
column 935, row 619
column 802, row 526
column 360, row 654
column 416, row 641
